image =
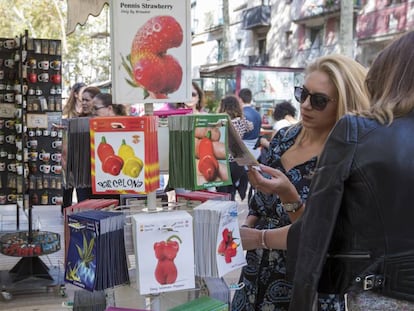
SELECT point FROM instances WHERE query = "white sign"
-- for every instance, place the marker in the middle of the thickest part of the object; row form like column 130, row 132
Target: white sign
column 151, row 44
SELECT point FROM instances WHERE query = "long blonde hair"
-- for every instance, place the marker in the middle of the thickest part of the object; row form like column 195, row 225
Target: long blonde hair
column 348, row 76
column 390, row 81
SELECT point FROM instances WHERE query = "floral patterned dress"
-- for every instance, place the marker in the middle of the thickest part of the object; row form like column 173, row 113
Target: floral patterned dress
column 264, row 276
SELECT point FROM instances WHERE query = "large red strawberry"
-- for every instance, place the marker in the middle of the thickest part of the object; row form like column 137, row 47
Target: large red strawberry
column 157, row 35
column 158, row 74
column 150, row 67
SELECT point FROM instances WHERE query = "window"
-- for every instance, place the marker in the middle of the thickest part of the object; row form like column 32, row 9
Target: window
column 262, row 51
column 238, row 45
column 262, row 46
column 219, row 50
column 316, row 37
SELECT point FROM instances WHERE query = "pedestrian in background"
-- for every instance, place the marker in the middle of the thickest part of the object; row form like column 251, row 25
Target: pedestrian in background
column 88, row 93
column 251, row 114
column 72, row 109
column 73, row 105
column 231, row 106
column 284, row 115
column 104, row 107
column 197, row 102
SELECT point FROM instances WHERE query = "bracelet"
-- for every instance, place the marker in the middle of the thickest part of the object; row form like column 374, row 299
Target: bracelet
column 264, row 245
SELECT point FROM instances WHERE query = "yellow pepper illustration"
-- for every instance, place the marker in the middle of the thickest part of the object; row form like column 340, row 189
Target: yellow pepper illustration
column 132, row 164
column 125, row 151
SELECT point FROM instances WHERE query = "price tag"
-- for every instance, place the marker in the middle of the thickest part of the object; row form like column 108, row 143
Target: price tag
column 7, row 110
column 35, row 120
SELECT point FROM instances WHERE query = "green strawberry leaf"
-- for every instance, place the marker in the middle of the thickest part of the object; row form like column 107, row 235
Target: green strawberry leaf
column 131, row 83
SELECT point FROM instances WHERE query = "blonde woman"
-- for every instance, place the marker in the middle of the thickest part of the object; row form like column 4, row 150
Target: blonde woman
column 333, row 86
column 355, row 234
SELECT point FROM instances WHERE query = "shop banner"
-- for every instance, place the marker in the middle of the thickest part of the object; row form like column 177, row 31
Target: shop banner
column 164, row 250
column 151, row 44
column 124, row 153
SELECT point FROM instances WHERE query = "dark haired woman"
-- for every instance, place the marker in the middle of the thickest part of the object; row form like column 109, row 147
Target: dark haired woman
column 88, row 93
column 197, row 99
column 73, row 106
column 104, row 107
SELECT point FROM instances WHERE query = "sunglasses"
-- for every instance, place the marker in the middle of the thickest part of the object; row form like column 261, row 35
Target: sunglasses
column 98, row 108
column 317, row 101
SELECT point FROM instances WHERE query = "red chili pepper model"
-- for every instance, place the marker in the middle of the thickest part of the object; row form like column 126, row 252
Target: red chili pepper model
column 208, row 165
column 165, row 252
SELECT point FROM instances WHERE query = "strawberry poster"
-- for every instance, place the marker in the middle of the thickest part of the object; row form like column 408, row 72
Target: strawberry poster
column 151, row 43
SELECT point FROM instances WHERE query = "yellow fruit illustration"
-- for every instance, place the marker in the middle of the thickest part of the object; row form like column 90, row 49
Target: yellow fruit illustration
column 132, row 164
column 133, row 167
column 125, row 151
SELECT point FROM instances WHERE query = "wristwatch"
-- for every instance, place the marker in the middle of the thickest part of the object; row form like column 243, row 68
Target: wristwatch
column 292, row 207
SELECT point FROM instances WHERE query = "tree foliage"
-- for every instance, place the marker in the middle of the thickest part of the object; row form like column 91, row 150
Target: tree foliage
column 85, row 52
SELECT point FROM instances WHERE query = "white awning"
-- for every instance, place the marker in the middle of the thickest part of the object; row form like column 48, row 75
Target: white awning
column 79, row 10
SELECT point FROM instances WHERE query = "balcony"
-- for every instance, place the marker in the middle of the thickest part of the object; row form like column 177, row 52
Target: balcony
column 256, row 17
column 385, row 21
column 314, row 12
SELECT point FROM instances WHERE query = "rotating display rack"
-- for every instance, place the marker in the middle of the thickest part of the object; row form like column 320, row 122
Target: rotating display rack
column 30, row 145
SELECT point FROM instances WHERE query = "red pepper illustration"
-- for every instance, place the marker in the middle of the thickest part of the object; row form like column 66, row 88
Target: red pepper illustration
column 111, row 163
column 227, row 246
column 104, row 149
column 165, row 252
column 208, row 164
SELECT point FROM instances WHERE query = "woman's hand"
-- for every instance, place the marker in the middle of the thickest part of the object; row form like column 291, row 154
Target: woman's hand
column 250, row 238
column 272, row 239
column 275, row 182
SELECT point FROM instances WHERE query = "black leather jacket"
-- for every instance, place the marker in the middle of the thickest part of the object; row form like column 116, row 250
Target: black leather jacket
column 360, row 214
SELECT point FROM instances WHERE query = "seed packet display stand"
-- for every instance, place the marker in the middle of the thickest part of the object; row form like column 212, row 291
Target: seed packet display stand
column 156, row 301
column 30, row 96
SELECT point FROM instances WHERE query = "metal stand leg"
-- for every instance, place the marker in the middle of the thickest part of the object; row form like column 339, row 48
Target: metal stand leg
column 30, row 267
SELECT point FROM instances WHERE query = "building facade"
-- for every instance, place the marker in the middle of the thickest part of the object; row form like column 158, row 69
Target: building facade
column 289, row 33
